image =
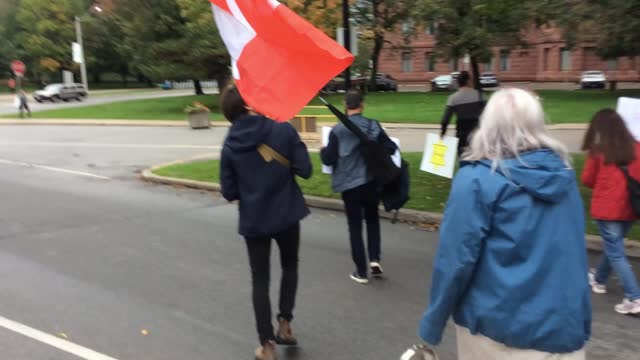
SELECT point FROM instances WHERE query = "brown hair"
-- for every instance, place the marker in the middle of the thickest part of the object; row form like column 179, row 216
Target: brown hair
column 608, row 135
column 232, row 103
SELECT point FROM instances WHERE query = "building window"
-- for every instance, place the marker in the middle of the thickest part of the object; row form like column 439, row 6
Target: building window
column 431, row 28
column 454, row 64
column 565, row 59
column 505, row 64
column 612, row 64
column 407, row 26
column 407, row 62
column 488, row 66
column 430, row 61
column 546, row 59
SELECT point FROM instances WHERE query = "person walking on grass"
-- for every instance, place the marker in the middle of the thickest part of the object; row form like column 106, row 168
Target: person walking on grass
column 360, row 193
column 259, row 164
column 612, row 150
column 467, row 105
column 511, row 263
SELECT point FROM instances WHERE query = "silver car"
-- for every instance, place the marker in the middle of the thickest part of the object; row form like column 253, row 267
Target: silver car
column 61, row 92
column 593, row 79
column 443, row 83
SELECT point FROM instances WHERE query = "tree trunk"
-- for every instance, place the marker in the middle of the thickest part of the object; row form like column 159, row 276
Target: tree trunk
column 613, row 85
column 97, row 79
column 378, row 43
column 475, row 68
column 223, row 81
column 198, row 87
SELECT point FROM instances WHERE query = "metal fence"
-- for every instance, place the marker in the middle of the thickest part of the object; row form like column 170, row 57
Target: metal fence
column 206, row 84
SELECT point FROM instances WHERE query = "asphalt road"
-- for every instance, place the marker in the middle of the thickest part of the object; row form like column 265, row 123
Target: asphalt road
column 99, row 256
column 7, row 108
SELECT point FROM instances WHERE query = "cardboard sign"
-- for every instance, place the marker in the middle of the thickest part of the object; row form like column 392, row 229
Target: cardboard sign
column 440, row 155
column 629, row 109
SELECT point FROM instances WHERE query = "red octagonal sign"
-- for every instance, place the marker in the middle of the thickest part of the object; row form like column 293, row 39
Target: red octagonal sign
column 18, row 67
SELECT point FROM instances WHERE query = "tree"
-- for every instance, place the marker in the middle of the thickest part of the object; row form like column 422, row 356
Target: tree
column 582, row 21
column 379, row 17
column 169, row 39
column 326, row 15
column 46, row 31
column 473, row 27
column 101, row 36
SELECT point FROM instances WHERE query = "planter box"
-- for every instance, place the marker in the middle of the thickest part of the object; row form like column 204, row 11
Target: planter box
column 199, row 120
column 305, row 124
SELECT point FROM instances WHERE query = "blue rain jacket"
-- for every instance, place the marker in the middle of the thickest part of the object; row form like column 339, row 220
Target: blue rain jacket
column 512, row 263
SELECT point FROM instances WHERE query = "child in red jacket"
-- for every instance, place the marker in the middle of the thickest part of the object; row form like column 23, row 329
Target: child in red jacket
column 610, row 146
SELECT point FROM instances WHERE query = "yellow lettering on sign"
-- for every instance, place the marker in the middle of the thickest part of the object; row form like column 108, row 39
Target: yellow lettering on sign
column 439, row 153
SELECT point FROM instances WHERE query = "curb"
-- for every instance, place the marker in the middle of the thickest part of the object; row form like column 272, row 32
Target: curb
column 594, row 243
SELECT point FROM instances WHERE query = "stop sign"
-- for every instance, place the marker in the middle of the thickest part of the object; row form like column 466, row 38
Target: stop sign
column 18, row 67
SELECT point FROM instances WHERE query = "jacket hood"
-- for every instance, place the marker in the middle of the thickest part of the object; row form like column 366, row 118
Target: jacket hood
column 248, row 131
column 541, row 173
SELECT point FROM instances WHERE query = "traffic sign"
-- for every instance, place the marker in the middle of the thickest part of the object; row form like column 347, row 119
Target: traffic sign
column 18, row 67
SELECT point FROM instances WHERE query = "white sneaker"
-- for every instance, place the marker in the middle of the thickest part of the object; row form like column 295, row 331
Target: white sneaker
column 595, row 287
column 628, row 307
column 376, row 268
column 359, row 279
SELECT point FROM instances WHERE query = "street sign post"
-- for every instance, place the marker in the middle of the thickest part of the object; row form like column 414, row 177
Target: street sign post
column 18, row 68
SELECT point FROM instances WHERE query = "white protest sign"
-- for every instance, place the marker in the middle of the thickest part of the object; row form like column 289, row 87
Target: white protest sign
column 440, row 155
column 629, row 109
column 397, row 157
column 326, row 131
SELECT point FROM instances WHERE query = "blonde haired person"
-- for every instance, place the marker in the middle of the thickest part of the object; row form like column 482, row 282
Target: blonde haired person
column 511, row 263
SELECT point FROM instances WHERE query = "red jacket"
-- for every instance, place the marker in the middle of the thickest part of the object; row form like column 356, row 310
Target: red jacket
column 610, row 200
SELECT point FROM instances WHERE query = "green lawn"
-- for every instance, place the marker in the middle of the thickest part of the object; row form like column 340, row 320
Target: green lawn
column 428, row 192
column 427, row 108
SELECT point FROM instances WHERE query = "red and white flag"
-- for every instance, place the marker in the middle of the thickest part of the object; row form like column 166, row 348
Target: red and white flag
column 279, row 60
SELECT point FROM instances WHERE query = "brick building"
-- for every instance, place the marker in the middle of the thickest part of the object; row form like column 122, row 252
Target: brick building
column 545, row 58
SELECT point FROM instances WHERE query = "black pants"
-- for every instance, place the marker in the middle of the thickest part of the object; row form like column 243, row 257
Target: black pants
column 260, row 260
column 365, row 199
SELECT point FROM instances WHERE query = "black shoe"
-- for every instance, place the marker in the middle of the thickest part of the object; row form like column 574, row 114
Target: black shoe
column 359, row 279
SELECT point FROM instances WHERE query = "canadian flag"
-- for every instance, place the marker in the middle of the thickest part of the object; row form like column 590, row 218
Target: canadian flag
column 279, row 60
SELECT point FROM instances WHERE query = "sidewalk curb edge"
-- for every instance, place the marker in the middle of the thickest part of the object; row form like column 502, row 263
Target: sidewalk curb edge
column 594, row 243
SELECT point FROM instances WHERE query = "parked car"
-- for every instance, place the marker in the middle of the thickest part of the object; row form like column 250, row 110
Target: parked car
column 489, row 79
column 444, row 82
column 383, row 83
column 61, row 92
column 593, row 79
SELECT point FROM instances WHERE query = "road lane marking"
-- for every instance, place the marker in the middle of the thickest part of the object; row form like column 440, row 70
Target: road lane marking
column 108, row 145
column 53, row 341
column 55, row 169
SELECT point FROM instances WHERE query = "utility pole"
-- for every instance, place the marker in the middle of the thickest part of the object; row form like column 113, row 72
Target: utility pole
column 83, row 65
column 347, row 41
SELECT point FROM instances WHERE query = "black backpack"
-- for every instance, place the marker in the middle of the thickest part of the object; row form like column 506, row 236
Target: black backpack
column 633, row 186
column 378, row 161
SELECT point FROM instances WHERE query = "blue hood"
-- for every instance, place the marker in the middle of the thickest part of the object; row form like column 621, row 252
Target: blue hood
column 541, row 173
column 248, row 131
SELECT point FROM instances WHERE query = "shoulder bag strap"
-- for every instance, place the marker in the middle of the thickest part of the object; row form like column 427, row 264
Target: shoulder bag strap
column 269, row 155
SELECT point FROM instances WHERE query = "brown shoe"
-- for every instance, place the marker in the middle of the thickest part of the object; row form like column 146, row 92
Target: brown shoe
column 266, row 351
column 284, row 336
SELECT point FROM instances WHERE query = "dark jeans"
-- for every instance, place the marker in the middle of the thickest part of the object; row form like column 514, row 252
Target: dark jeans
column 365, row 199
column 259, row 249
